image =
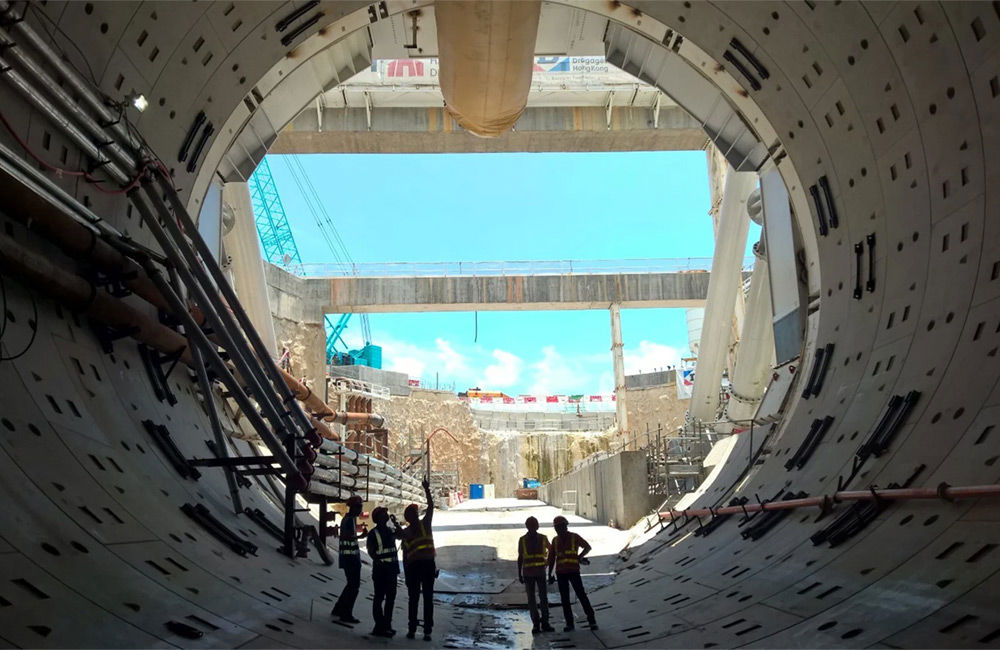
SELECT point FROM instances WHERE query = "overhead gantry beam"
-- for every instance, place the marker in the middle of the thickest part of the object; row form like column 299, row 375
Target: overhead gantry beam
column 512, row 293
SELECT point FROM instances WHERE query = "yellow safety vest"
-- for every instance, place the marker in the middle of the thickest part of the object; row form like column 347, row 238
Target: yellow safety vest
column 533, row 561
column 349, row 546
column 383, row 556
column 421, row 546
column 567, row 559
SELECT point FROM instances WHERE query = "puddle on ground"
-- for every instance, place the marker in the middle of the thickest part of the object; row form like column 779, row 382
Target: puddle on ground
column 495, row 630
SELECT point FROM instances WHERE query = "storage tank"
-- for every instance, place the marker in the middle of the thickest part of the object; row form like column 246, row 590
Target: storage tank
column 695, row 317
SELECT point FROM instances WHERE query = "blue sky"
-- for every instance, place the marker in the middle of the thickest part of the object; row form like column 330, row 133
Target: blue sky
column 540, row 206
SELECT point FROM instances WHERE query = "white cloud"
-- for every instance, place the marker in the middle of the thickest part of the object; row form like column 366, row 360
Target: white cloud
column 650, row 356
column 606, row 382
column 451, row 362
column 557, row 374
column 505, row 372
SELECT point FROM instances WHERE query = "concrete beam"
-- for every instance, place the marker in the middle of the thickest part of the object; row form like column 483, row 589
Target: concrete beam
column 515, row 293
column 431, row 130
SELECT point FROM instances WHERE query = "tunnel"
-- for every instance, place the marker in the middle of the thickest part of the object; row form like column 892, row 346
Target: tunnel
column 876, row 121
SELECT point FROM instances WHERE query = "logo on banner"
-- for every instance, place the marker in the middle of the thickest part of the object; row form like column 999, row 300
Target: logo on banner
column 595, row 398
column 551, row 64
column 413, row 382
column 405, row 68
column 528, row 399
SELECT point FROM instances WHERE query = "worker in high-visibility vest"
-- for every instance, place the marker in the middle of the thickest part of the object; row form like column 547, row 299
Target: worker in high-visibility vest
column 532, row 556
column 350, row 561
column 566, row 554
column 418, row 563
column 385, row 569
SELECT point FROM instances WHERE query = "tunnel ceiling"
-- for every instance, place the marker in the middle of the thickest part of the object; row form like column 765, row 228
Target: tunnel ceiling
column 891, row 106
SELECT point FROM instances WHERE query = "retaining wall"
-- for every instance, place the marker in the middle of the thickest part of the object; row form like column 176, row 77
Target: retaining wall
column 613, row 488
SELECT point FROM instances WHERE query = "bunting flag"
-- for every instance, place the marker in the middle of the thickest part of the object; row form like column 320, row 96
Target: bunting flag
column 575, row 399
column 485, row 400
column 595, row 398
column 508, row 400
column 529, row 399
column 551, row 399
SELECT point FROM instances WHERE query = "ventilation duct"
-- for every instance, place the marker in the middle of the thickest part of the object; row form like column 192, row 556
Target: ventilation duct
column 486, row 52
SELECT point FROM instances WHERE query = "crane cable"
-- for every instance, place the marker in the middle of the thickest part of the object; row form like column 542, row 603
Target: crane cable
column 334, row 242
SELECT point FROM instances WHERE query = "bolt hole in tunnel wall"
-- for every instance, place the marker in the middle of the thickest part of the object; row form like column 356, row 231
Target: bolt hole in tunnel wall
column 877, row 118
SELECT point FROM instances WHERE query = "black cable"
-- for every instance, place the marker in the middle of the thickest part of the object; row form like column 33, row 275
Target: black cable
column 40, row 12
column 3, row 299
column 33, row 323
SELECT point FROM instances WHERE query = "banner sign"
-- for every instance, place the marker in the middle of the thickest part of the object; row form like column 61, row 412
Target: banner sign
column 554, row 69
column 685, row 385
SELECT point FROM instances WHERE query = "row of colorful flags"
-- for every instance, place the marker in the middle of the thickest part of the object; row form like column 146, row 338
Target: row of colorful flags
column 548, row 399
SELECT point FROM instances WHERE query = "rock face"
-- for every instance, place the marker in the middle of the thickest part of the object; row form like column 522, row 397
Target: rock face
column 504, row 458
column 412, row 419
column 306, row 342
column 656, row 406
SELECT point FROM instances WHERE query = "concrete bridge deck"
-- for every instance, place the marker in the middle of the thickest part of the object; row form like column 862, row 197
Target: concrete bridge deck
column 501, row 289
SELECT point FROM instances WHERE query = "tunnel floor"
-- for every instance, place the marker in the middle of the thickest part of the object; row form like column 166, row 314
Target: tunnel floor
column 477, row 591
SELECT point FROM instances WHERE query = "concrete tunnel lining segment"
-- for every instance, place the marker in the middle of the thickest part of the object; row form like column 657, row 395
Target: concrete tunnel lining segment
column 894, row 104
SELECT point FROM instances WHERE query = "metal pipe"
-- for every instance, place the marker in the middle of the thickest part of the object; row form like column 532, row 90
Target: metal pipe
column 272, row 411
column 29, row 184
column 34, row 97
column 51, row 57
column 355, row 419
column 222, row 284
column 944, row 492
column 80, row 295
column 216, row 423
column 62, row 97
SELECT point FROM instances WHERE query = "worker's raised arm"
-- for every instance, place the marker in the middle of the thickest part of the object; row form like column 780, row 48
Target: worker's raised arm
column 430, row 501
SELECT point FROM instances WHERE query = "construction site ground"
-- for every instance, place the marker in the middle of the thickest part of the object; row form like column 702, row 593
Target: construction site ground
column 477, row 555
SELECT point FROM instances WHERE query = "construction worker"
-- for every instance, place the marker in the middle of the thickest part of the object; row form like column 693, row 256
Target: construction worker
column 566, row 554
column 532, row 556
column 418, row 563
column 350, row 561
column 385, row 569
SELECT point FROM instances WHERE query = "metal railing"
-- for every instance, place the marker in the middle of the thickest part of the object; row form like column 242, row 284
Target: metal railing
column 508, row 268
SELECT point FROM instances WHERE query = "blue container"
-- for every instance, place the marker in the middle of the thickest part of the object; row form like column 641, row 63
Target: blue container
column 531, row 483
column 476, row 491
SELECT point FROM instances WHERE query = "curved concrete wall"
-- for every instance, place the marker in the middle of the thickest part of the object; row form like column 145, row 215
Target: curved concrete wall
column 893, row 104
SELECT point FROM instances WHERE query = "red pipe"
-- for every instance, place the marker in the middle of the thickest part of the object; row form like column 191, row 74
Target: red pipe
column 945, row 492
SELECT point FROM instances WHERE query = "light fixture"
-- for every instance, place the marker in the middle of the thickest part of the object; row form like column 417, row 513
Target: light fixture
column 140, row 102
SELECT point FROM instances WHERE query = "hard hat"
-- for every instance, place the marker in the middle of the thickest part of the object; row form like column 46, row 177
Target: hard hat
column 411, row 513
column 354, row 501
column 380, row 515
column 559, row 522
column 531, row 523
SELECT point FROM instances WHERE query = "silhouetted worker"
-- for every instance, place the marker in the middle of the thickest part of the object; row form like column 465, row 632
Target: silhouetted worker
column 385, row 569
column 418, row 563
column 350, row 561
column 532, row 556
column 566, row 554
